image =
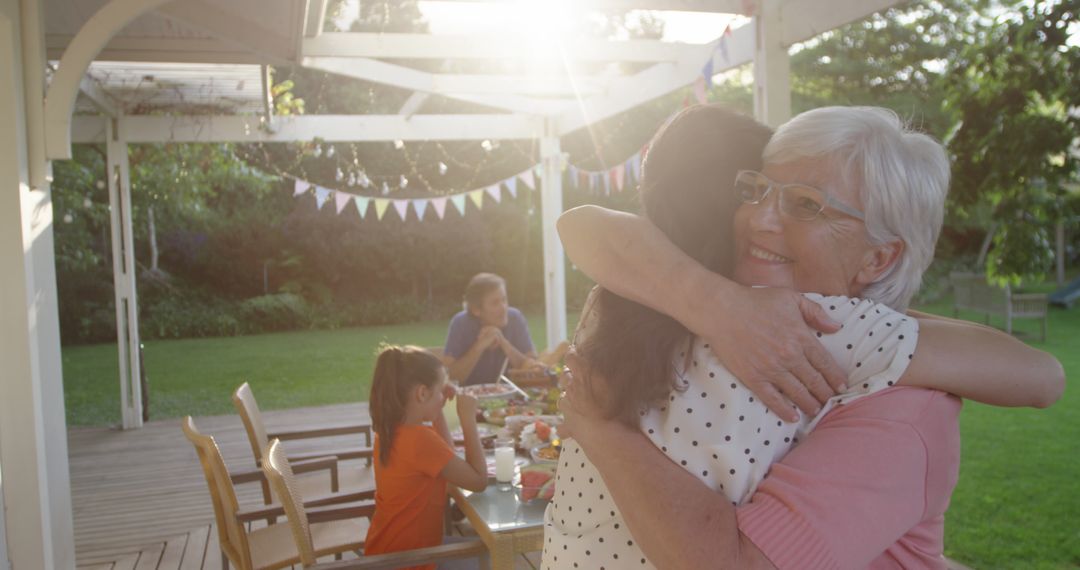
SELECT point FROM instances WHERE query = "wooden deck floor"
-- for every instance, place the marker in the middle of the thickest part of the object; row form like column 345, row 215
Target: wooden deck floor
column 139, row 497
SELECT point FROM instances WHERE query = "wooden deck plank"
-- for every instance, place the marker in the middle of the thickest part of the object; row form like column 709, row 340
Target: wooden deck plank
column 195, row 549
column 133, row 488
column 173, row 553
column 150, row 556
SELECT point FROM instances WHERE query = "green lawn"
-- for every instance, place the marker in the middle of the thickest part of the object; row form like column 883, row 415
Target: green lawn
column 1016, row 505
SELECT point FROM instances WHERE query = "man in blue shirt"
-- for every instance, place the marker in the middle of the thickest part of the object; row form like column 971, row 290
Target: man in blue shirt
column 489, row 336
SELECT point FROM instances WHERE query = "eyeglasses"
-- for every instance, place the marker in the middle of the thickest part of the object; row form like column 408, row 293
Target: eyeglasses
column 799, row 201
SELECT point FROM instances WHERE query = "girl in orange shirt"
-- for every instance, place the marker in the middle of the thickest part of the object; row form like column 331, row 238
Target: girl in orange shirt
column 414, row 453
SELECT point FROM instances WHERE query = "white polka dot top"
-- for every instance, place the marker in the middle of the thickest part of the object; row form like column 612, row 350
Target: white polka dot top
column 715, row 428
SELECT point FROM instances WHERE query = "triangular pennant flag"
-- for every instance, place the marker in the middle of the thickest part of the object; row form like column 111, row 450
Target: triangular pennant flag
column 381, row 205
column 607, row 185
column 494, row 192
column 573, row 175
column 420, row 205
column 321, row 196
column 527, row 178
column 459, row 202
column 402, row 207
column 635, row 166
column 440, row 206
column 619, row 174
column 699, row 91
column 300, row 187
column 477, row 197
column 583, row 179
column 361, row 205
column 511, row 185
column 342, row 199
column 707, row 70
column 539, row 171
column 722, row 46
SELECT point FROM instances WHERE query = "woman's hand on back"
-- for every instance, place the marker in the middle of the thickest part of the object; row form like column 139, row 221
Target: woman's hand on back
column 764, row 337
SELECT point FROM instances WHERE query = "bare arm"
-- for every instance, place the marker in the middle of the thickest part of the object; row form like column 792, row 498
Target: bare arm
column 982, row 364
column 777, row 354
column 469, row 473
column 460, row 368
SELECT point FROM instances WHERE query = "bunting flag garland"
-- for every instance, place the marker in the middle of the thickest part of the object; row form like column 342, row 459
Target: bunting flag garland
column 380, row 207
column 361, row 205
column 477, row 197
column 341, row 199
column 459, row 202
column 494, row 192
column 300, row 187
column 511, row 185
column 440, row 206
column 420, row 204
column 321, row 196
column 619, row 175
column 402, row 207
column 527, row 178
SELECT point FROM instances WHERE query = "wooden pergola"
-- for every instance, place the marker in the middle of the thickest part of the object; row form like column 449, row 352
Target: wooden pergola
column 52, row 53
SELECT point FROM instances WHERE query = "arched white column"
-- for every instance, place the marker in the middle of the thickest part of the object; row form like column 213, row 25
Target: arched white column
column 34, row 477
column 84, row 47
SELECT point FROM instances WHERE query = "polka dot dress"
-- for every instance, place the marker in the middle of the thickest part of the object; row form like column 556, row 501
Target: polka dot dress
column 716, row 429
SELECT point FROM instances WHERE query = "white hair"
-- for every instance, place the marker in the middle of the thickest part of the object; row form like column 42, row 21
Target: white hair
column 902, row 177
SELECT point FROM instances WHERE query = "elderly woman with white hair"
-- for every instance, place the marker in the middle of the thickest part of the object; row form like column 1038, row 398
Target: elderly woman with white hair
column 848, row 205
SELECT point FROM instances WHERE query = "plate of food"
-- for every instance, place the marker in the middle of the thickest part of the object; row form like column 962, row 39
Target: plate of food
column 498, row 415
column 545, row 454
column 535, row 482
column 487, row 391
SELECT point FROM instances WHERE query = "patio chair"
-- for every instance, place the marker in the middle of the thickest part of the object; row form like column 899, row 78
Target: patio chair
column 341, row 524
column 258, row 437
column 304, row 526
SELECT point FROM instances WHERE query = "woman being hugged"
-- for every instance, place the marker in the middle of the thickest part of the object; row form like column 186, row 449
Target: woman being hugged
column 414, row 454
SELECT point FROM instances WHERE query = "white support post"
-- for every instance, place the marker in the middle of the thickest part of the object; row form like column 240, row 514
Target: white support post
column 123, row 253
column 772, row 67
column 551, row 160
column 37, row 530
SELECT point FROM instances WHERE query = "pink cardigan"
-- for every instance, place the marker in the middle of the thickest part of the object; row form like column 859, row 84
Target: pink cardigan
column 868, row 488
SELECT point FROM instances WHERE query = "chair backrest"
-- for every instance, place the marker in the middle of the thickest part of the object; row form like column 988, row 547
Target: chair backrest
column 280, row 474
column 249, row 412
column 231, row 532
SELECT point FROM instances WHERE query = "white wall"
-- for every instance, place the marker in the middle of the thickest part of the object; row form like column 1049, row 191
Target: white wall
column 33, row 436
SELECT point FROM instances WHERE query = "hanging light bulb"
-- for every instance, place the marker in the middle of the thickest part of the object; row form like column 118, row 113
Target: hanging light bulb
column 330, row 152
column 100, row 184
column 364, row 180
column 399, row 144
column 339, row 175
column 68, row 218
column 442, row 168
column 385, row 188
column 317, row 152
column 352, row 179
column 86, row 203
column 403, row 182
column 486, row 145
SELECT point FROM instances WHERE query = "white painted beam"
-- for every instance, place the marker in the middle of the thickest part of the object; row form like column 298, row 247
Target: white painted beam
column 93, row 91
column 659, row 80
column 413, row 104
column 95, row 33
column 161, row 50
column 772, row 68
column 229, row 28
column 551, row 207
column 416, row 80
column 719, row 6
column 314, row 17
column 332, row 128
column 480, row 46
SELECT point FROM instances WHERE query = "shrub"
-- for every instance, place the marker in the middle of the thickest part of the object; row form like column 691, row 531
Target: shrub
column 279, row 312
column 187, row 316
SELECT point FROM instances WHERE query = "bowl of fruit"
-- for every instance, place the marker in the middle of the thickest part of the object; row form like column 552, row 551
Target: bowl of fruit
column 535, row 483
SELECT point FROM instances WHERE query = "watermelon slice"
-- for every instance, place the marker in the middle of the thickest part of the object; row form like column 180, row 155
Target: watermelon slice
column 547, row 492
column 533, row 478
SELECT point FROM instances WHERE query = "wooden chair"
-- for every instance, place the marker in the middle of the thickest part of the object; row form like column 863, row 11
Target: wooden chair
column 304, row 526
column 258, row 438
column 339, row 530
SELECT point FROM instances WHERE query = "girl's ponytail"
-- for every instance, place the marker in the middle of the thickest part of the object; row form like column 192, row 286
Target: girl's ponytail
column 397, row 370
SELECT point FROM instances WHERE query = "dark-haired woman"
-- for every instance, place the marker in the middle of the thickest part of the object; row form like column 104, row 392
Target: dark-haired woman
column 414, row 453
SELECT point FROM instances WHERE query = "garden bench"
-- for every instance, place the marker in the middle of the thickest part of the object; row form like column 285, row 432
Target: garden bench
column 972, row 292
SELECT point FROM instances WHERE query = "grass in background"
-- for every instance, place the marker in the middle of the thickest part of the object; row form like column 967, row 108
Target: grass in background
column 286, row 370
column 1015, row 506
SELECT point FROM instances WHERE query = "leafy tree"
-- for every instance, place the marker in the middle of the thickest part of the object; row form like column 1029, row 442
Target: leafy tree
column 1014, row 150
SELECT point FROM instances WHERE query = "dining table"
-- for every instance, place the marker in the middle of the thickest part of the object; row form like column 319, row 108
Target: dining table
column 507, row 525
